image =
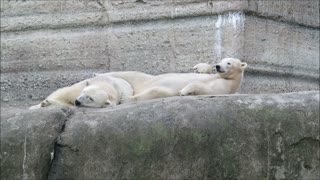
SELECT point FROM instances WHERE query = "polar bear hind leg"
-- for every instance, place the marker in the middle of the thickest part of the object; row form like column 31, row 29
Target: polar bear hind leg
column 153, row 93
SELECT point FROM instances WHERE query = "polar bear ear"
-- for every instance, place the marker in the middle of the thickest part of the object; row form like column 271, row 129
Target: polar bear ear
column 96, row 74
column 243, row 65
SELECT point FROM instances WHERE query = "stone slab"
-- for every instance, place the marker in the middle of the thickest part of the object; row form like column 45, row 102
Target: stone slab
column 272, row 136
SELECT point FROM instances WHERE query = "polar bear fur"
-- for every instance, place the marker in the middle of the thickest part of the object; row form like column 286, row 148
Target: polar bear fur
column 202, row 68
column 145, row 86
column 93, row 92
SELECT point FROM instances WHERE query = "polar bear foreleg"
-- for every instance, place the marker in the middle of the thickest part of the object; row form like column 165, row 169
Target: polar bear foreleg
column 195, row 88
column 203, row 68
column 153, row 93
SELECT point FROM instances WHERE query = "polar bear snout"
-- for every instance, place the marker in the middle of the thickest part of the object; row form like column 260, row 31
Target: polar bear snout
column 219, row 69
column 77, row 103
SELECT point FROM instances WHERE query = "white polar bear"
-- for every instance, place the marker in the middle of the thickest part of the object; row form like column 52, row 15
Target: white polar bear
column 93, row 92
column 228, row 80
column 145, row 86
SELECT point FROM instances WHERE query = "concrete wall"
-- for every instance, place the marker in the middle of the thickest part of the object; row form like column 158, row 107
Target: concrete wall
column 305, row 13
column 281, row 45
column 50, row 44
column 46, row 45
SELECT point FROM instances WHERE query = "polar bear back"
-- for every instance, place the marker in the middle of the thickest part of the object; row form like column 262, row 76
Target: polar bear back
column 176, row 81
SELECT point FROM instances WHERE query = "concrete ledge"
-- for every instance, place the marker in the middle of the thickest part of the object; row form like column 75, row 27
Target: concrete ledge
column 305, row 13
column 110, row 14
column 273, row 136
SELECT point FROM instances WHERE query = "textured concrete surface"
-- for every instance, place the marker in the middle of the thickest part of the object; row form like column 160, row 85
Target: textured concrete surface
column 281, row 47
column 61, row 14
column 155, row 47
column 273, row 136
column 282, row 57
column 45, row 48
column 304, row 13
column 46, row 45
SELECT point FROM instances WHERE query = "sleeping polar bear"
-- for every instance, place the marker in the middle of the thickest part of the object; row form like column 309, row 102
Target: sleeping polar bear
column 114, row 88
column 94, row 92
column 145, row 86
column 101, row 91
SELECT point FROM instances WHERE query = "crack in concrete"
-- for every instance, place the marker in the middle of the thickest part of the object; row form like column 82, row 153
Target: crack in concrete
column 74, row 149
column 25, row 175
column 140, row 1
column 305, row 139
column 101, row 5
column 54, row 170
column 279, row 18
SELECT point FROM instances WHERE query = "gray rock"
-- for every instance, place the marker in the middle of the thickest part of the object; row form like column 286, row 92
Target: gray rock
column 28, row 138
column 272, row 136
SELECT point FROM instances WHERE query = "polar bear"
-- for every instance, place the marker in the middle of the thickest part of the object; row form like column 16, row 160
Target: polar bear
column 93, row 92
column 145, row 86
column 228, row 80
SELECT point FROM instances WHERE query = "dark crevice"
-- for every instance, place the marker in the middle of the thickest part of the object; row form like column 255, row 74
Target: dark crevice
column 74, row 149
column 101, row 5
column 305, row 139
column 55, row 169
column 140, row 1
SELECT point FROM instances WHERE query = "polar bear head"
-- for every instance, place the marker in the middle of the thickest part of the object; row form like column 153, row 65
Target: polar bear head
column 93, row 96
column 231, row 68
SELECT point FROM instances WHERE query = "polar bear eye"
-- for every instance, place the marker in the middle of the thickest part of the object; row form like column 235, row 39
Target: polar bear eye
column 90, row 98
column 229, row 63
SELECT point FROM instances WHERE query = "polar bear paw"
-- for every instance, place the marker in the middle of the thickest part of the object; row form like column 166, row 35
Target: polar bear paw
column 180, row 93
column 202, row 68
column 183, row 92
column 132, row 99
column 186, row 92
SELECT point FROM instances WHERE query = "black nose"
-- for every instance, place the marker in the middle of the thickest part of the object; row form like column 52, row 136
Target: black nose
column 77, row 103
column 218, row 67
